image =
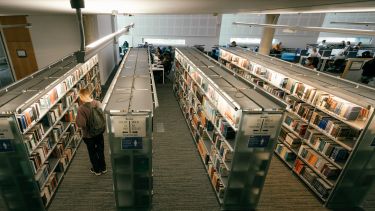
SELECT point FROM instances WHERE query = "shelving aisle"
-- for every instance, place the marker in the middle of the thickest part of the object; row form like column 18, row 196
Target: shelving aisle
column 180, row 181
column 81, row 190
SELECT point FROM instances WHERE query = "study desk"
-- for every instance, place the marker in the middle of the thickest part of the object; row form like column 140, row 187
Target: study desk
column 158, row 67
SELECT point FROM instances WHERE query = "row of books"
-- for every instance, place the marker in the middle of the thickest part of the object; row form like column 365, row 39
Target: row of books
column 319, row 163
column 71, row 114
column 216, row 181
column 333, row 127
column 52, row 115
column 33, row 137
column 34, row 111
column 69, row 98
column 340, row 107
column 326, row 146
column 295, row 124
column 49, row 188
column 347, row 110
column 288, row 137
column 40, row 153
column 312, row 178
column 222, row 147
column 285, row 153
column 52, row 182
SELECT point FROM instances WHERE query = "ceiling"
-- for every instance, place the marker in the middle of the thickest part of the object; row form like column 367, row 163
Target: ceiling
column 23, row 7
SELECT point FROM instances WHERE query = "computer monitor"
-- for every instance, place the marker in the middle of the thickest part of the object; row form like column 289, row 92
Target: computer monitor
column 335, row 52
column 304, row 53
column 326, row 53
column 352, row 54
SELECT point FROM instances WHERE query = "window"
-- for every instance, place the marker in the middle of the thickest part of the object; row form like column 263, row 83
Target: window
column 249, row 41
column 364, row 40
column 173, row 42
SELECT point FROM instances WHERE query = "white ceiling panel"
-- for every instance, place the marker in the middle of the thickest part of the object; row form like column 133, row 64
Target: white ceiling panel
column 184, row 6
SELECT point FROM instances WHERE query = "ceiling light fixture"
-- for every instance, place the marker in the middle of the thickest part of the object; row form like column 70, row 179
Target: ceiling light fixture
column 312, row 28
column 353, row 23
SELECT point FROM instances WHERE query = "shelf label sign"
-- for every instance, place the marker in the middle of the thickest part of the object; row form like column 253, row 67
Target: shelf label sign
column 258, row 141
column 5, row 130
column 129, row 126
column 131, row 143
column 261, row 124
column 6, row 145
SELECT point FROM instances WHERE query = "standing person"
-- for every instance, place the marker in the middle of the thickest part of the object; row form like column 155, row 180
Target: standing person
column 90, row 119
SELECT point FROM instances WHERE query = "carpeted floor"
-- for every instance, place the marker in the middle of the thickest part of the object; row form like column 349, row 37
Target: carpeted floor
column 180, row 180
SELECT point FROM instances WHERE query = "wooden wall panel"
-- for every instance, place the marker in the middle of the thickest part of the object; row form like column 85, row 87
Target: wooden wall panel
column 23, row 66
column 19, row 39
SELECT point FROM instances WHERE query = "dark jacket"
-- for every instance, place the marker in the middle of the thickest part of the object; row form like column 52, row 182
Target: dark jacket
column 83, row 115
column 369, row 68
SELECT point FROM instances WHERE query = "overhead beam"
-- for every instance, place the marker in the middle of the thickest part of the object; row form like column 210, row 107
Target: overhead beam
column 311, row 28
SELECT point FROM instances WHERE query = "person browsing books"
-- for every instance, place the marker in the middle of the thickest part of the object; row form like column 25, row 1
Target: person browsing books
column 88, row 117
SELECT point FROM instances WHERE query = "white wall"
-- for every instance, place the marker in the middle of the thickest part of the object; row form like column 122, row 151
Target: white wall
column 53, row 37
column 106, row 55
column 194, row 29
column 348, row 17
column 290, row 40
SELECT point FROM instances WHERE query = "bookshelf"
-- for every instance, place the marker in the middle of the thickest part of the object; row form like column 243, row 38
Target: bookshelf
column 326, row 136
column 233, row 126
column 39, row 136
column 129, row 112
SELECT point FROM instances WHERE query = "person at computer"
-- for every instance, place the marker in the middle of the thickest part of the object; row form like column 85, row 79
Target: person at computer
column 323, row 44
column 233, row 44
column 342, row 45
column 312, row 62
column 368, row 72
column 338, row 64
column 358, row 46
column 314, row 53
column 277, row 49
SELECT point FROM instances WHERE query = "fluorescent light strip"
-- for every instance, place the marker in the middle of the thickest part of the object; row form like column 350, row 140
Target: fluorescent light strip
column 353, row 23
column 107, row 38
column 312, row 28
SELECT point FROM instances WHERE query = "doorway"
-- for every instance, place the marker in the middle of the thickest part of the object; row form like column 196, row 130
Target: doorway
column 6, row 76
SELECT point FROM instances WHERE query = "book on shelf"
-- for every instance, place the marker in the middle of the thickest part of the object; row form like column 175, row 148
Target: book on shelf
column 322, row 187
column 309, row 175
column 285, row 153
column 299, row 166
column 42, row 175
column 292, row 140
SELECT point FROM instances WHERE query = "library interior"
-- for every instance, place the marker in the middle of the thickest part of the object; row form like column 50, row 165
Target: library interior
column 137, row 105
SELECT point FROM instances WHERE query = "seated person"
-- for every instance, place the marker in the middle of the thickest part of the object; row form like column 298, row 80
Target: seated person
column 277, row 49
column 368, row 73
column 312, row 62
column 323, row 44
column 342, row 45
column 366, row 54
column 338, row 64
column 314, row 53
column 358, row 46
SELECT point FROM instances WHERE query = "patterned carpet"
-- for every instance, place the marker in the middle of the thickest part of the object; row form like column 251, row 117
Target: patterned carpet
column 180, row 181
